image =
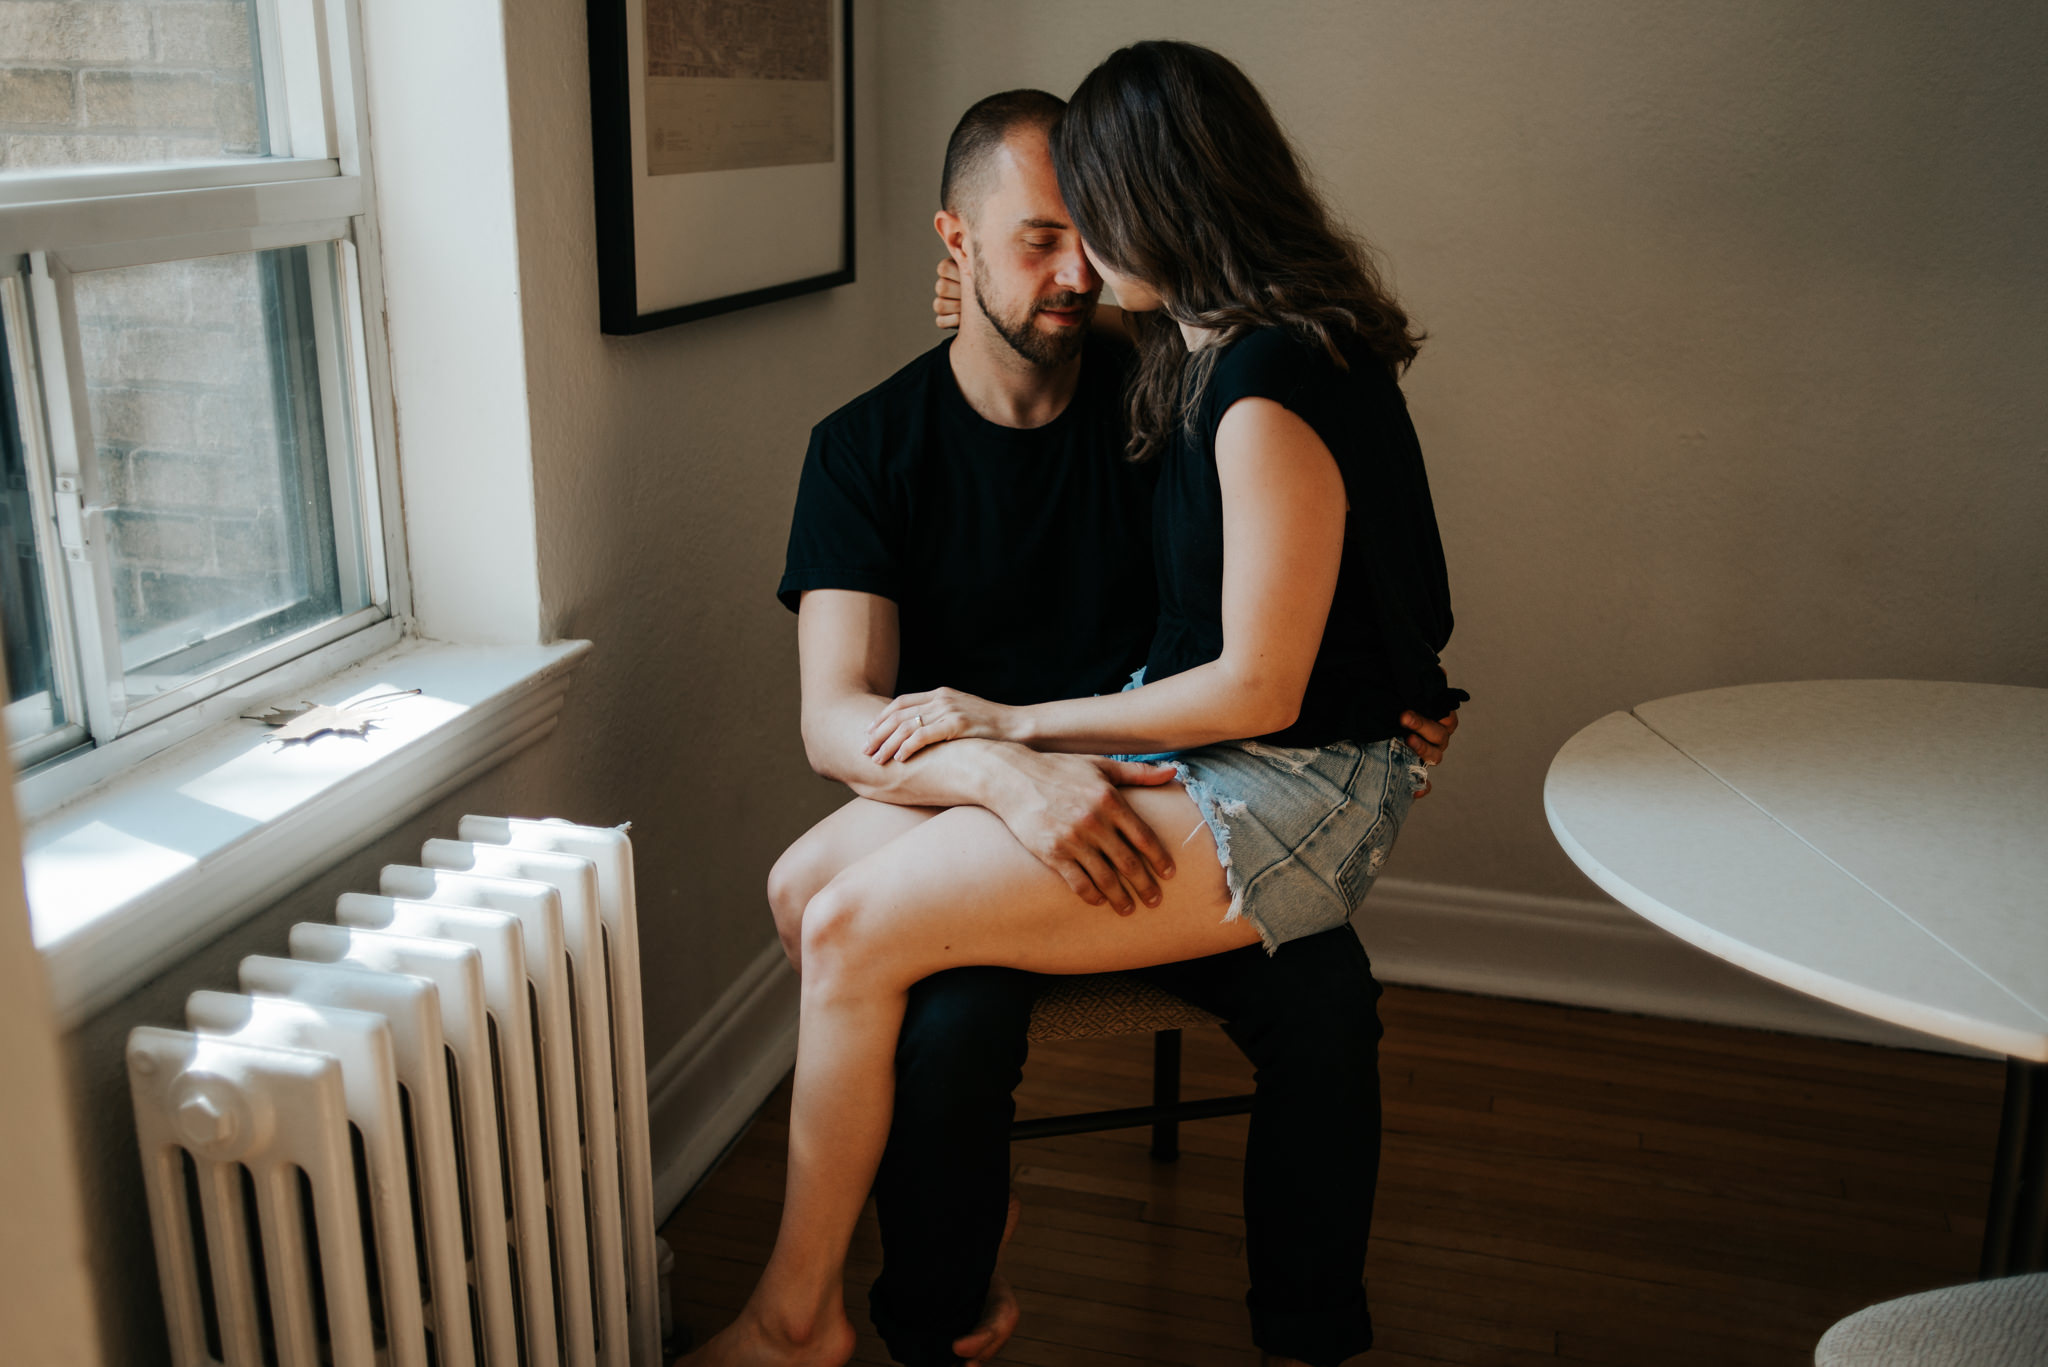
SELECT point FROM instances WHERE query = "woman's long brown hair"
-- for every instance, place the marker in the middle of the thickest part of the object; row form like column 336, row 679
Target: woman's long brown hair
column 1178, row 175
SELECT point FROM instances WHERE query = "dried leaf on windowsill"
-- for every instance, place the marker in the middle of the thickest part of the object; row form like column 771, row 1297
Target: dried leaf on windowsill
column 278, row 716
column 308, row 720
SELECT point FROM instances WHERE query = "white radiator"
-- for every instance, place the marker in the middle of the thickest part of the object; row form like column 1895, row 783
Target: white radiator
column 421, row 1140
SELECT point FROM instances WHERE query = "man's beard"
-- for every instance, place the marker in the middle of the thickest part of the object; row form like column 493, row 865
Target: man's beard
column 1040, row 348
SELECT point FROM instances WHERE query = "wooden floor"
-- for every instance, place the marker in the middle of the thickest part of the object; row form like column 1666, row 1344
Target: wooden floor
column 1556, row 1185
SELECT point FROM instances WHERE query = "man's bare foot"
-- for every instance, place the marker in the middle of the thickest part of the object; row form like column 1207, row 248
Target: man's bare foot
column 999, row 1313
column 998, row 1321
column 746, row 1342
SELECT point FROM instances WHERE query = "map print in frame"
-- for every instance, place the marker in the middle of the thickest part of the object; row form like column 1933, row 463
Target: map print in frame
column 734, row 84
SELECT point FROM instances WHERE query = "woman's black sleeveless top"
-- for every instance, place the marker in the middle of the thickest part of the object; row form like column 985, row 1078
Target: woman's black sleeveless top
column 1392, row 612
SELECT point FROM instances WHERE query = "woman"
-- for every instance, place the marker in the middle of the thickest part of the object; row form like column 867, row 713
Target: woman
column 1266, row 389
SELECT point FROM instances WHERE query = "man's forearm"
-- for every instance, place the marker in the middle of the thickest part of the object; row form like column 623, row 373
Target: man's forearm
column 962, row 773
column 1064, row 809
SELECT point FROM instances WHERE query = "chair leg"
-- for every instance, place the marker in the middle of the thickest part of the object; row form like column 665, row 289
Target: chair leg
column 1166, row 1092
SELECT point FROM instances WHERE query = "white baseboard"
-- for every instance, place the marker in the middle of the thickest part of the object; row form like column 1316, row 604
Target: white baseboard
column 703, row 1090
column 1587, row 952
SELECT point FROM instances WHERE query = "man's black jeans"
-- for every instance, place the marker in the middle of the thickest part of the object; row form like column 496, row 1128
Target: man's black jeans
column 1308, row 1019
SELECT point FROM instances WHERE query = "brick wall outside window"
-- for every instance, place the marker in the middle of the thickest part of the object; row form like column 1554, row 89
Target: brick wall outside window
column 182, row 392
column 113, row 82
column 180, row 363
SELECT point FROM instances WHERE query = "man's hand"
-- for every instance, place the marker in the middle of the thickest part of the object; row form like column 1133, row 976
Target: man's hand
column 1067, row 811
column 1108, row 318
column 1429, row 739
column 946, row 297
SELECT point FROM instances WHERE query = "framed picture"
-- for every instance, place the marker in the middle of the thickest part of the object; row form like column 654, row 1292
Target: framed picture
column 722, row 132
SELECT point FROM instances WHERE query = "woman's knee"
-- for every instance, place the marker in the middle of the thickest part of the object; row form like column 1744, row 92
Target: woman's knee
column 795, row 879
column 838, row 939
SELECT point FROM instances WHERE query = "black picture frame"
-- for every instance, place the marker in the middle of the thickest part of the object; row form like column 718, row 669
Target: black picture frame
column 611, row 135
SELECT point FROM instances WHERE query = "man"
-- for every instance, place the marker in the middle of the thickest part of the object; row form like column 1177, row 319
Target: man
column 971, row 522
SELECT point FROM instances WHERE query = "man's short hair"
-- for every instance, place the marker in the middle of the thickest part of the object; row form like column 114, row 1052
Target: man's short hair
column 980, row 132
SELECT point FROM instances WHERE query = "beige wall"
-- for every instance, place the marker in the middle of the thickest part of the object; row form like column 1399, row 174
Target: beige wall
column 1736, row 375
column 1738, row 369
column 665, row 468
column 45, row 1296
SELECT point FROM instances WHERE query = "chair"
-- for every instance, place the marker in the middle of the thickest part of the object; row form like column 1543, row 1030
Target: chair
column 1998, row 1323
column 1097, row 1005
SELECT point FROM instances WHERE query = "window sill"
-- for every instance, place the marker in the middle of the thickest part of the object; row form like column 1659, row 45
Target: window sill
column 138, row 870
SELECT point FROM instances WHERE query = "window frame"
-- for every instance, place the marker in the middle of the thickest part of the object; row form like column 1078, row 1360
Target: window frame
column 314, row 188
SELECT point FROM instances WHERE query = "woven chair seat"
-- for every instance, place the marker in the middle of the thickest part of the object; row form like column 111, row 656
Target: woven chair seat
column 1999, row 1323
column 1095, row 1005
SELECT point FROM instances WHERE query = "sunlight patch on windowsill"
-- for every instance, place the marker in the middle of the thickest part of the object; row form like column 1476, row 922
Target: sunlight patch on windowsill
column 136, row 871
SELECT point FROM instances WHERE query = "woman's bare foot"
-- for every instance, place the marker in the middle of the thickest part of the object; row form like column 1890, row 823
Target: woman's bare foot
column 747, row 1342
column 999, row 1313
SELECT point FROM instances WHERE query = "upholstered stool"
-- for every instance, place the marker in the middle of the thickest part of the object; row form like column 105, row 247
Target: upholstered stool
column 1098, row 1005
column 1999, row 1323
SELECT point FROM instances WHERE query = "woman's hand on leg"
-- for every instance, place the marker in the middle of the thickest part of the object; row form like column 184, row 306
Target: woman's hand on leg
column 917, row 720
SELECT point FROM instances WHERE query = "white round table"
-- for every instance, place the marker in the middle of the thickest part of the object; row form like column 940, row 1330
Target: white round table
column 1878, row 843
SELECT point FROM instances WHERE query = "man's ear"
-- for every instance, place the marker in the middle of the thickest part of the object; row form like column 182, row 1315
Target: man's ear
column 952, row 230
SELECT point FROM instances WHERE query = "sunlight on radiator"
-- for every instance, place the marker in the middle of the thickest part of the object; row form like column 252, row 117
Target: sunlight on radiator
column 420, row 1140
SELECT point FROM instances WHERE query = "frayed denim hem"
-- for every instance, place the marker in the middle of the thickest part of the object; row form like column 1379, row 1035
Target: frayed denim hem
column 1300, row 832
column 1215, row 815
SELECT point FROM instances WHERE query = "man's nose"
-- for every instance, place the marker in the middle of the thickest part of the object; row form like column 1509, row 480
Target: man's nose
column 1076, row 274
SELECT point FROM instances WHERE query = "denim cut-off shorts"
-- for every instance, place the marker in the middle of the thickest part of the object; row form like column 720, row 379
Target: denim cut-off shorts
column 1300, row 833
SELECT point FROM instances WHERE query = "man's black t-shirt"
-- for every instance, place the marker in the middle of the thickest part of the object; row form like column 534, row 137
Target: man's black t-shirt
column 1019, row 559
column 1391, row 614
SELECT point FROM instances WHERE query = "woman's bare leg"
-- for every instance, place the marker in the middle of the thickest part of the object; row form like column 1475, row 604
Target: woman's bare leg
column 850, row 834
column 815, row 859
column 956, row 890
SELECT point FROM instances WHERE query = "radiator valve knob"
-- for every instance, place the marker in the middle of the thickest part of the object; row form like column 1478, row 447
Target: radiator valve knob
column 204, row 1123
column 215, row 1118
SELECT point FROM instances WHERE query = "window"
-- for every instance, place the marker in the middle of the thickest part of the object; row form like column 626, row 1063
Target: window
column 194, row 419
